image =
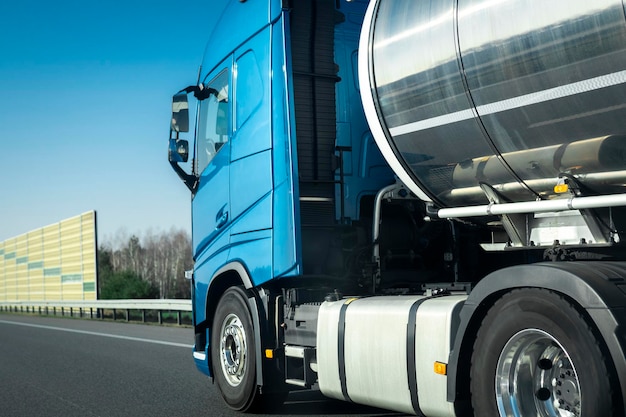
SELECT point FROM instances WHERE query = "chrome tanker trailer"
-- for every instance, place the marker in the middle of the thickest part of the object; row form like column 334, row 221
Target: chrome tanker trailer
column 513, row 114
column 416, row 205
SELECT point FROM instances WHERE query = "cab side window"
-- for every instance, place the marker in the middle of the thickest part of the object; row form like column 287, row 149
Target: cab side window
column 213, row 122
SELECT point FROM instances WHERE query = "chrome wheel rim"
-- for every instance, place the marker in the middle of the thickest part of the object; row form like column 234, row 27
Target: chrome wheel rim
column 233, row 349
column 535, row 376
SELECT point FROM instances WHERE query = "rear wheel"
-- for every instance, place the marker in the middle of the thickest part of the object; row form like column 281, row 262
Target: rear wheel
column 535, row 355
column 233, row 351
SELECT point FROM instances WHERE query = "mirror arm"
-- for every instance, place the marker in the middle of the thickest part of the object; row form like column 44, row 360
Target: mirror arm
column 191, row 181
column 200, row 91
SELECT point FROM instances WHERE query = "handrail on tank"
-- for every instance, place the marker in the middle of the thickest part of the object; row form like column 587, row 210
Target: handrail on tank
column 383, row 193
column 564, row 204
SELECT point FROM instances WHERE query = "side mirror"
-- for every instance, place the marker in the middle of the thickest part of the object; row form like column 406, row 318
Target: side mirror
column 180, row 112
column 178, row 150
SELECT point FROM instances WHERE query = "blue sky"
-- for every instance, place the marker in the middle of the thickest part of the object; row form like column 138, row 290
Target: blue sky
column 85, row 90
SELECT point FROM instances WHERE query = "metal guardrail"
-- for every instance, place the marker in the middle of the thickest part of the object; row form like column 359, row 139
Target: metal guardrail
column 97, row 308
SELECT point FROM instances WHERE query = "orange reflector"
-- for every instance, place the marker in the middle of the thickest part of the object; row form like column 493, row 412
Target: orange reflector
column 441, row 368
column 269, row 353
column 561, row 188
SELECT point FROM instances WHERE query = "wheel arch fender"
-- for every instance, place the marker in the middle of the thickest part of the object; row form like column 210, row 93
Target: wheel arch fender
column 235, row 275
column 594, row 286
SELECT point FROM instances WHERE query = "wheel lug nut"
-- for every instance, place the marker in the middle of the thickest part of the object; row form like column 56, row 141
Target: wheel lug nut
column 545, row 364
column 543, row 394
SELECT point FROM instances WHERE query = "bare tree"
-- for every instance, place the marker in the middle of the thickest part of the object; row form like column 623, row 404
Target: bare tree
column 158, row 258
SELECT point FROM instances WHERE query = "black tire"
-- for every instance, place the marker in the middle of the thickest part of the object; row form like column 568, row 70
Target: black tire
column 233, row 352
column 535, row 351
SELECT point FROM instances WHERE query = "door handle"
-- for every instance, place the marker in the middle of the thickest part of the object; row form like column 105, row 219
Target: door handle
column 221, row 218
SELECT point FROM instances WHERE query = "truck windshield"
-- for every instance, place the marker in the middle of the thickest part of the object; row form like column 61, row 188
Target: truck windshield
column 213, row 123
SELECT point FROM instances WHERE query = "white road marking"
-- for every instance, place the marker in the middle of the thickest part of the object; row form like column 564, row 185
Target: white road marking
column 136, row 339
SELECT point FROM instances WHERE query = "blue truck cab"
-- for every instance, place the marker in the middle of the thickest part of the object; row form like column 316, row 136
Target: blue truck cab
column 283, row 161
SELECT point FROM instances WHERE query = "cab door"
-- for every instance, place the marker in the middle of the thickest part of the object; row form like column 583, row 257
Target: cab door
column 211, row 210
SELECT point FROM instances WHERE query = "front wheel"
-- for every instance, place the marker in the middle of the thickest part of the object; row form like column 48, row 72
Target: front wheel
column 535, row 355
column 233, row 351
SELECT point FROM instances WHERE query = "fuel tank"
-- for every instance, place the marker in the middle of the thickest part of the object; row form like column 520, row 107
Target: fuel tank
column 463, row 95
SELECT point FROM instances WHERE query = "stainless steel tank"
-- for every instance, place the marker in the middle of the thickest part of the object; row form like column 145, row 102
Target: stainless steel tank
column 504, row 93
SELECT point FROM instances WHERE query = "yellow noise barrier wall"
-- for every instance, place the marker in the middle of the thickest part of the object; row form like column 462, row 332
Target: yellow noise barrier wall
column 56, row 262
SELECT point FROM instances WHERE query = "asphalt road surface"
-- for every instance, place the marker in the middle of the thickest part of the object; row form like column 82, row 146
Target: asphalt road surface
column 68, row 367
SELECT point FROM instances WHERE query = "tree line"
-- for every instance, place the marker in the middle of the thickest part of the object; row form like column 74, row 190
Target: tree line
column 150, row 266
